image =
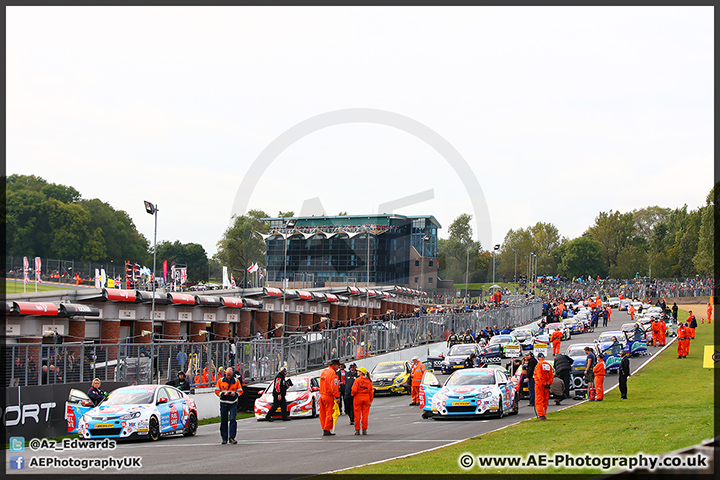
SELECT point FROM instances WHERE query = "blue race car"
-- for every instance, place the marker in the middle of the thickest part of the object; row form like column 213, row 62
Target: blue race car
column 472, row 392
column 148, row 411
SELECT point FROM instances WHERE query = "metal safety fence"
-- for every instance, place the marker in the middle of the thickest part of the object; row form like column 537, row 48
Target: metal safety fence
column 257, row 359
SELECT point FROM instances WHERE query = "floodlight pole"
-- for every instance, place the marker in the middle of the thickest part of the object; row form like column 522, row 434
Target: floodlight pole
column 152, row 210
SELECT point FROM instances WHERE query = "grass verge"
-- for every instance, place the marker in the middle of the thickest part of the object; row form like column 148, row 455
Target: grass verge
column 12, row 287
column 669, row 407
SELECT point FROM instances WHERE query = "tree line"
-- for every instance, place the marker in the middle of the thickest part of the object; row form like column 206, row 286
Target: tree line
column 53, row 221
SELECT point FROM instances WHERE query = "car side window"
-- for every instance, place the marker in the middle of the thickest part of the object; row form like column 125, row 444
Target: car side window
column 174, row 394
column 501, row 378
column 162, row 392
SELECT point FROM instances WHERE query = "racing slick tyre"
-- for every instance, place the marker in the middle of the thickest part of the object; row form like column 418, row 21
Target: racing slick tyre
column 192, row 425
column 501, row 412
column 314, row 410
column 153, row 429
column 516, row 406
column 426, row 414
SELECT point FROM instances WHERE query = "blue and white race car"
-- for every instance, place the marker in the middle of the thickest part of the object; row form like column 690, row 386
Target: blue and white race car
column 149, row 411
column 471, row 392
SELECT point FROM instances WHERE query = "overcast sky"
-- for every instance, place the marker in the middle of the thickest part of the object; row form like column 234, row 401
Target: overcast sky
column 560, row 112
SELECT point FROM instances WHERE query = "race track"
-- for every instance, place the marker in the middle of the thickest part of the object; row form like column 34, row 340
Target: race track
column 395, row 429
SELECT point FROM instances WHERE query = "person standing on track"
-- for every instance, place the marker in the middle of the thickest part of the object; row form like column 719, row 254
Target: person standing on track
column 417, row 370
column 350, row 378
column 543, row 380
column 531, row 364
column 329, row 395
column 363, row 395
column 599, row 375
column 590, row 359
column 228, row 388
column 563, row 367
column 624, row 373
column 341, row 373
column 556, row 338
column 663, row 331
column 279, row 393
column 631, row 312
column 656, row 331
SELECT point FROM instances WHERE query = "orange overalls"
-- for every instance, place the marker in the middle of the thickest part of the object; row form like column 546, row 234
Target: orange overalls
column 656, row 332
column 556, row 338
column 631, row 311
column 663, row 330
column 363, row 395
column 681, row 334
column 709, row 312
column 360, row 352
column 329, row 391
column 543, row 376
column 691, row 330
column 599, row 371
column 416, row 374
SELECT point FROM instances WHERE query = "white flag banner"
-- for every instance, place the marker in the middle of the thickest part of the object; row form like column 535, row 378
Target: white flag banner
column 225, row 279
column 26, row 270
column 38, row 270
column 103, row 277
column 97, row 278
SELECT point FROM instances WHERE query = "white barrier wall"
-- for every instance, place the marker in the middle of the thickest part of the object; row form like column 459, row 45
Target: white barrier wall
column 208, row 403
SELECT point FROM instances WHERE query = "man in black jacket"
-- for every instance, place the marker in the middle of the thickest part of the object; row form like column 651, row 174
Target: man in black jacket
column 279, row 390
column 624, row 373
column 563, row 367
column 350, row 378
column 180, row 382
column 531, row 361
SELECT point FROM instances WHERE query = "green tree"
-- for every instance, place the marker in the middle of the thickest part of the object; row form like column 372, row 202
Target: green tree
column 282, row 214
column 453, row 253
column 614, row 230
column 704, row 258
column 241, row 244
column 94, row 250
column 581, row 257
column 191, row 254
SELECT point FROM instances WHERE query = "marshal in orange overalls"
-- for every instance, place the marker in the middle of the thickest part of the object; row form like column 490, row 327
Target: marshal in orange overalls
column 363, row 395
column 543, row 376
column 556, row 338
column 416, row 374
column 329, row 392
column 599, row 371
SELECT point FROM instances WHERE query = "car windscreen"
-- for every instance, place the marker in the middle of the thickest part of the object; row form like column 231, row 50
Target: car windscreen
column 130, row 397
column 472, row 379
column 388, row 368
column 576, row 352
column 466, row 349
column 608, row 337
column 298, row 385
column 501, row 339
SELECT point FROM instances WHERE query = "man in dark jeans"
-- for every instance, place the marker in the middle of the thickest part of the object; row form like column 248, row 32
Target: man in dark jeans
column 350, row 378
column 279, row 392
column 563, row 367
column 624, row 374
column 531, row 362
column 228, row 389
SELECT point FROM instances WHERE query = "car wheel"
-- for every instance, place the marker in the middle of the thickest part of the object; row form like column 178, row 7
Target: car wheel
column 314, row 410
column 501, row 411
column 153, row 429
column 426, row 414
column 191, row 428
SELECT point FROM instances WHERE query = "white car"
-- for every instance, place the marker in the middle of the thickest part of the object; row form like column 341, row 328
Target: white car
column 303, row 398
column 149, row 411
column 613, row 302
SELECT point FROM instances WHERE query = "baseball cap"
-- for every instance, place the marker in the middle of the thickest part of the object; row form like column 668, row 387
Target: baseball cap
column 541, row 355
column 414, row 358
column 363, row 370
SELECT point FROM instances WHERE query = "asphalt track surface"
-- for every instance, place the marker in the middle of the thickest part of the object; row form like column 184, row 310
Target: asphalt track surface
column 298, row 448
